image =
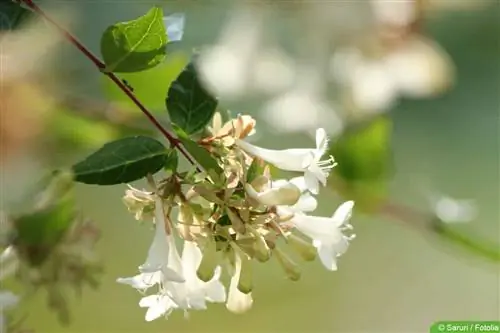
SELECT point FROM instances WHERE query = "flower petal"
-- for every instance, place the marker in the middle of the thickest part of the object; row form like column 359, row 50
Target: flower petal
column 311, row 182
column 215, row 290
column 306, row 203
column 142, row 281
column 327, row 256
column 321, row 141
column 343, row 213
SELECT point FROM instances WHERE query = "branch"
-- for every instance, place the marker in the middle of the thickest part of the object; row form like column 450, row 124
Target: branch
column 101, row 66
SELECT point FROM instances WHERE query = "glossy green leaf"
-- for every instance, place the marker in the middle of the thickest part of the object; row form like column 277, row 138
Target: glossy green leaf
column 200, row 154
column 122, row 161
column 189, row 105
column 135, row 45
column 149, row 85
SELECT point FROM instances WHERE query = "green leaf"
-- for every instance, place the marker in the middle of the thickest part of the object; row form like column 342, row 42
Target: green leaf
column 149, row 85
column 40, row 231
column 172, row 161
column 200, row 154
column 363, row 154
column 122, row 161
column 189, row 105
column 12, row 15
column 135, row 45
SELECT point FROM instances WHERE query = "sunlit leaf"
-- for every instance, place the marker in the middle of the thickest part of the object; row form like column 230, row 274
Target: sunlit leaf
column 149, row 85
column 122, row 161
column 189, row 105
column 135, row 45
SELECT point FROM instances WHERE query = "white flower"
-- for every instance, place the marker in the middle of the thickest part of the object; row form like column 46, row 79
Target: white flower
column 139, row 202
column 306, row 202
column 326, row 232
column 237, row 301
column 301, row 160
column 189, row 295
column 450, row 210
column 7, row 300
column 197, row 290
column 175, row 26
column 158, row 305
column 156, row 269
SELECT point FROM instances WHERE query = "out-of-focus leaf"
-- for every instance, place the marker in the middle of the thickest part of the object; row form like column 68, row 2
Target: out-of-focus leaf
column 150, row 85
column 363, row 154
column 12, row 15
column 84, row 133
column 190, row 106
column 200, row 154
column 122, row 161
column 40, row 231
column 135, row 45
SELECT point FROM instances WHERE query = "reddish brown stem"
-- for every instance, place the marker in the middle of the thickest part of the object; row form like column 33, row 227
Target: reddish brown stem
column 101, row 66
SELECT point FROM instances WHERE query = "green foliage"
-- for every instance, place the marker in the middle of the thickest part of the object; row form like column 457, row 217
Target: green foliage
column 82, row 132
column 122, row 161
column 12, row 15
column 151, row 95
column 135, row 45
column 363, row 154
column 189, row 105
column 40, row 231
column 172, row 161
column 200, row 154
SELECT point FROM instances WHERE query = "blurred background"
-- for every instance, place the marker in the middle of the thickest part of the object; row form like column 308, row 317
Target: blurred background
column 409, row 91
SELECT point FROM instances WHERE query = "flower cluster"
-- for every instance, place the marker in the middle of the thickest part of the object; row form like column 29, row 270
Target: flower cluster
column 233, row 219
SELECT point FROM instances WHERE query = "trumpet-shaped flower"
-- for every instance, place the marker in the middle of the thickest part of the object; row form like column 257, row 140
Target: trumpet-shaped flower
column 308, row 161
column 192, row 294
column 156, row 269
column 326, row 232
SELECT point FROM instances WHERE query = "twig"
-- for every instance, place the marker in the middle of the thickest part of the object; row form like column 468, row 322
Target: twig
column 101, row 66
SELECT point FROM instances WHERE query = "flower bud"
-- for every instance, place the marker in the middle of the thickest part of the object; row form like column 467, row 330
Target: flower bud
column 208, row 262
column 261, row 251
column 245, row 282
column 291, row 269
column 305, row 249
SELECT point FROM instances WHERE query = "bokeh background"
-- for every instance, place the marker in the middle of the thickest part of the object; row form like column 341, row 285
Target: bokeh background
column 397, row 276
